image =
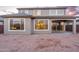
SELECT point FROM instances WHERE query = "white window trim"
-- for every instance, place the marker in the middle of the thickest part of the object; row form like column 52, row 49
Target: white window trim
column 15, row 30
column 41, row 29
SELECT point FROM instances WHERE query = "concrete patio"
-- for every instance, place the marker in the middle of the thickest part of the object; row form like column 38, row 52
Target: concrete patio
column 57, row 42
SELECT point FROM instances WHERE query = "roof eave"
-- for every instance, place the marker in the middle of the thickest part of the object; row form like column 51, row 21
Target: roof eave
column 58, row 7
column 43, row 17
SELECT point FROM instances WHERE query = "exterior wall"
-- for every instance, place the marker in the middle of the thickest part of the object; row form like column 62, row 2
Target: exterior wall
column 29, row 23
column 27, row 27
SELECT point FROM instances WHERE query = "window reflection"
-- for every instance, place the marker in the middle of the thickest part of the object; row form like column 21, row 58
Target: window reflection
column 16, row 24
column 41, row 24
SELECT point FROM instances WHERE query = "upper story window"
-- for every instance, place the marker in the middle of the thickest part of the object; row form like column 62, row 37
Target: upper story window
column 44, row 12
column 54, row 12
column 29, row 12
column 21, row 11
column 60, row 12
column 26, row 11
column 38, row 12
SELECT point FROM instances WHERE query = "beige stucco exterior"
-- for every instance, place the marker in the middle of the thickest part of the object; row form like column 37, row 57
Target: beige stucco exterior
column 30, row 29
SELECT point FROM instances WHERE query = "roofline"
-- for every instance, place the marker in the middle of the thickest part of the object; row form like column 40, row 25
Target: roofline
column 31, row 8
column 43, row 17
column 15, row 15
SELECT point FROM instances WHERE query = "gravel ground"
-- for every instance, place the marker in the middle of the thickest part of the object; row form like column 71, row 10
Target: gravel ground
column 62, row 42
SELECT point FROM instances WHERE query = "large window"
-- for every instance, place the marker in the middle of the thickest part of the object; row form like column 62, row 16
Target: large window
column 41, row 24
column 16, row 24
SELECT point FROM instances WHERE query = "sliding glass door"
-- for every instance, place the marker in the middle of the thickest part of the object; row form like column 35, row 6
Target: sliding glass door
column 57, row 26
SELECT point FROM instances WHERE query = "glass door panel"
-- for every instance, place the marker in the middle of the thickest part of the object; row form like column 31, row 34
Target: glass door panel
column 57, row 26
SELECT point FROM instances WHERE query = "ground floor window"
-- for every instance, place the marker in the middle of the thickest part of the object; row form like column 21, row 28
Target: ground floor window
column 41, row 24
column 69, row 26
column 16, row 24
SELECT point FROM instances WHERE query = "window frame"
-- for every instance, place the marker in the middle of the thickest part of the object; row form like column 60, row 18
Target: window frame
column 60, row 14
column 56, row 12
column 52, row 10
column 41, row 29
column 21, row 11
column 16, row 19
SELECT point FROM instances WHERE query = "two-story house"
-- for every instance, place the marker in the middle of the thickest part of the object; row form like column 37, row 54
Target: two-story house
column 40, row 20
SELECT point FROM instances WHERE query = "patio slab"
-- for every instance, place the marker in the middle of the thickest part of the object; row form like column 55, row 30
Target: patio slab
column 63, row 42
